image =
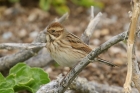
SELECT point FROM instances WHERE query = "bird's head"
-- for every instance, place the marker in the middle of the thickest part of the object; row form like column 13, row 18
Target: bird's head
column 54, row 31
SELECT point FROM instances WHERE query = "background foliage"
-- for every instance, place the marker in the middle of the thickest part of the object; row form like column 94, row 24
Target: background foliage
column 61, row 7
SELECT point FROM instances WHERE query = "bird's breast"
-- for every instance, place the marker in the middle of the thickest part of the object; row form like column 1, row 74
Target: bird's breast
column 64, row 54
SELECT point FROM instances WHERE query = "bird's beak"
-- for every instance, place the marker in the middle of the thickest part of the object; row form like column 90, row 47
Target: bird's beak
column 46, row 32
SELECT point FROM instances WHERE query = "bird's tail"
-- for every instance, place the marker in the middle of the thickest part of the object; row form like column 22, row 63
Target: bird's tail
column 105, row 61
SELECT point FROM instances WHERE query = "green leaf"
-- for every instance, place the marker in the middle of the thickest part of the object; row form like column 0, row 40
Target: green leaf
column 88, row 3
column 1, row 78
column 23, row 77
column 23, row 83
column 40, row 76
column 5, row 85
column 61, row 9
column 8, row 90
column 10, row 80
column 45, row 4
column 17, row 68
column 23, row 87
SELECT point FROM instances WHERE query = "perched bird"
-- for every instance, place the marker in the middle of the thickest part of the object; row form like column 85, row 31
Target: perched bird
column 66, row 48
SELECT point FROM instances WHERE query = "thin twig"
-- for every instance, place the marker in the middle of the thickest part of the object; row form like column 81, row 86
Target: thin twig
column 91, row 26
column 11, row 46
column 92, row 12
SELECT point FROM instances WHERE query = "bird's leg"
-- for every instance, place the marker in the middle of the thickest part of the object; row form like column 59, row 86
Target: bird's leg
column 64, row 76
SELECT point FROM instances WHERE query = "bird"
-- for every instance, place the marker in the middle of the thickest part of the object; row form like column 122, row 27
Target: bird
column 66, row 48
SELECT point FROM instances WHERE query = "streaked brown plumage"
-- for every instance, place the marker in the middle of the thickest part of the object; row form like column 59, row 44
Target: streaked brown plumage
column 66, row 48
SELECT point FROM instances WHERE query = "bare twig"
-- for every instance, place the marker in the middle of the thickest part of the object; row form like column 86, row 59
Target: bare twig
column 130, row 44
column 91, row 26
column 42, row 59
column 64, row 17
column 136, row 73
column 83, row 86
column 92, row 12
column 39, row 60
column 11, row 46
column 101, row 88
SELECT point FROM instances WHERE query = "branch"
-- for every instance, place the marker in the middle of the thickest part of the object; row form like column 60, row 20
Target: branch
column 136, row 73
column 130, row 44
column 135, row 69
column 91, row 26
column 75, row 71
column 42, row 59
column 21, row 56
column 39, row 60
column 83, row 86
column 10, row 46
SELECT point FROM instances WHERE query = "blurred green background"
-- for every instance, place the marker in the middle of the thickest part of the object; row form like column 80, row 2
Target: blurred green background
column 60, row 6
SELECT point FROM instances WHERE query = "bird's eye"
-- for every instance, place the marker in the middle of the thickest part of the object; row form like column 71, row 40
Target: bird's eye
column 53, row 31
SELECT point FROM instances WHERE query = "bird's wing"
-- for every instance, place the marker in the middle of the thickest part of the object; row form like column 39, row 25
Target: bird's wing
column 77, row 43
